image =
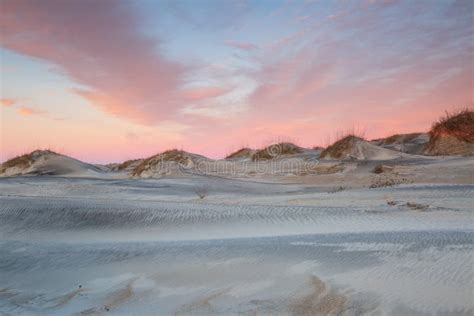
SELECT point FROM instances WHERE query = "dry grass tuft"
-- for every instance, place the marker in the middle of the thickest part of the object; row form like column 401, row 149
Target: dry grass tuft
column 323, row 170
column 417, row 206
column 388, row 181
column 241, row 153
column 378, row 169
column 141, row 167
column 124, row 165
column 381, row 169
column 391, row 202
column 400, row 137
column 450, row 132
column 341, row 146
column 175, row 155
column 276, row 150
column 23, row 161
column 459, row 124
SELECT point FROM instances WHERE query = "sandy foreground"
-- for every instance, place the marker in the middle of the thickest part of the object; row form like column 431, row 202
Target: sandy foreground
column 280, row 245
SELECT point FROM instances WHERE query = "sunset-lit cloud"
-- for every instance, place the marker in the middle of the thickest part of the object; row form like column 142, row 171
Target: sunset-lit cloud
column 204, row 93
column 7, row 102
column 102, row 49
column 26, row 111
column 209, row 77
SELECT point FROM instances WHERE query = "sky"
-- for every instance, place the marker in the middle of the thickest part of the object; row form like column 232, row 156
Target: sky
column 106, row 81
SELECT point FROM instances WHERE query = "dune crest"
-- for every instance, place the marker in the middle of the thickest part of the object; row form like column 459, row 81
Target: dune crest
column 47, row 162
column 453, row 134
column 167, row 162
column 243, row 153
column 356, row 148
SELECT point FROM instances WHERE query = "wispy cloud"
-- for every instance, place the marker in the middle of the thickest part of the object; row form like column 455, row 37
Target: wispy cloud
column 241, row 45
column 27, row 111
column 388, row 66
column 7, row 102
column 211, row 15
column 202, row 93
column 100, row 46
column 322, row 72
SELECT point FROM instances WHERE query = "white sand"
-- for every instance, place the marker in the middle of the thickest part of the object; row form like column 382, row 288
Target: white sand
column 281, row 243
column 48, row 163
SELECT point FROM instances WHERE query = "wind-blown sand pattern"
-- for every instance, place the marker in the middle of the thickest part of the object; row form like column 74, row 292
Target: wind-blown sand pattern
column 67, row 298
column 321, row 300
column 357, row 236
column 150, row 247
column 117, row 297
column 201, row 305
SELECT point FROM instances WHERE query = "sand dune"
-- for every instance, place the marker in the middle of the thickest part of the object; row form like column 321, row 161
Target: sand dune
column 367, row 230
column 166, row 163
column 45, row 162
column 243, row 153
column 413, row 143
column 449, row 145
column 278, row 159
column 352, row 147
column 452, row 134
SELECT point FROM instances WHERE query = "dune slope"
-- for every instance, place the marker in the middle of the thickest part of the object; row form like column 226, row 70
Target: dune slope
column 353, row 147
column 452, row 135
column 46, row 162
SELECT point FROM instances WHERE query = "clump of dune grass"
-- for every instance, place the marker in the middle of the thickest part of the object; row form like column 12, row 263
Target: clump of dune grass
column 453, row 133
column 417, row 206
column 175, row 155
column 459, row 124
column 378, row 169
column 341, row 146
column 276, row 150
column 391, row 202
column 23, row 161
column 382, row 168
column 241, row 153
column 124, row 165
column 388, row 181
column 404, row 138
column 325, row 170
column 145, row 164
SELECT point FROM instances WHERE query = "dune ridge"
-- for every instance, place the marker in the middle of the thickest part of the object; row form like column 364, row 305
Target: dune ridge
column 451, row 135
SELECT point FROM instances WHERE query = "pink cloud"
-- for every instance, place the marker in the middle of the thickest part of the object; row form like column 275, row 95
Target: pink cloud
column 26, row 111
column 202, row 93
column 98, row 45
column 7, row 102
column 344, row 71
column 311, row 85
column 288, row 84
